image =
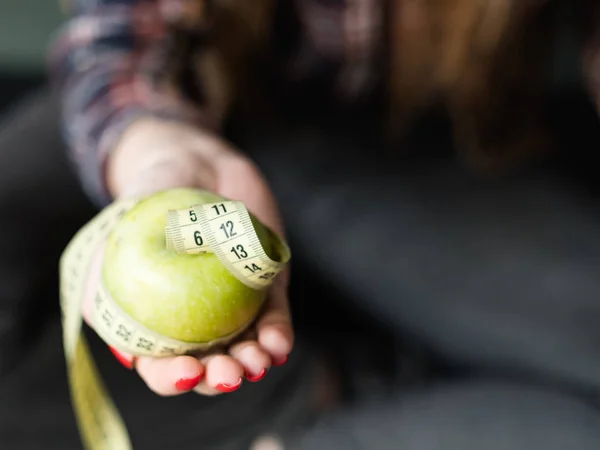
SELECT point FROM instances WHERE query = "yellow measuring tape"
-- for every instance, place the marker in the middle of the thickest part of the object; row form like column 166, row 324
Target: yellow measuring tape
column 194, row 230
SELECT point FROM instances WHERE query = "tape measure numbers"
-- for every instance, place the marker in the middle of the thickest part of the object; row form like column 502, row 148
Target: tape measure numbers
column 224, row 228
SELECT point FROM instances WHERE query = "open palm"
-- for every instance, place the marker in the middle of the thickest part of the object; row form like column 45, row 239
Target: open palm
column 270, row 340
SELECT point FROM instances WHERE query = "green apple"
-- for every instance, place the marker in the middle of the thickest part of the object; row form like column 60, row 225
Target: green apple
column 191, row 298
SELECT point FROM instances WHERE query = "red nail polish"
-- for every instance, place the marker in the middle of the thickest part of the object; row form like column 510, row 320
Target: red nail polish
column 229, row 388
column 187, row 384
column 122, row 359
column 281, row 362
column 254, row 379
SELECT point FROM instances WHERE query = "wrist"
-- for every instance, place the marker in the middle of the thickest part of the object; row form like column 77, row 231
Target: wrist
column 155, row 154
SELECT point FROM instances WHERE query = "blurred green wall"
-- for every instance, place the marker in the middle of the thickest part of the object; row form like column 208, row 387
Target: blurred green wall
column 25, row 26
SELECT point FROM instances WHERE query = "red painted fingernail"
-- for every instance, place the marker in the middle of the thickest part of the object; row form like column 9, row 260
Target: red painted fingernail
column 229, row 388
column 254, row 379
column 281, row 362
column 121, row 358
column 187, row 384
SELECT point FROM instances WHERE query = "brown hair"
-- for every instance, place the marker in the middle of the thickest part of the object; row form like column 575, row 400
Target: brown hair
column 483, row 60
column 234, row 34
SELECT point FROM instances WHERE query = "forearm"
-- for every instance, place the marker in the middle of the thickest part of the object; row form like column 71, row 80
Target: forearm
column 102, row 64
column 153, row 153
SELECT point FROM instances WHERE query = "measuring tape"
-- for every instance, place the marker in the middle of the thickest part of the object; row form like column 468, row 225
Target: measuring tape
column 198, row 229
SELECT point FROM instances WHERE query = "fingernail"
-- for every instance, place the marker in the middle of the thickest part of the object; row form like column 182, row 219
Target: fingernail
column 281, row 362
column 187, row 384
column 255, row 378
column 121, row 358
column 228, row 387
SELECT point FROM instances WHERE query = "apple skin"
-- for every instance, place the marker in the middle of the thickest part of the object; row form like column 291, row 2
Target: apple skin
column 191, row 298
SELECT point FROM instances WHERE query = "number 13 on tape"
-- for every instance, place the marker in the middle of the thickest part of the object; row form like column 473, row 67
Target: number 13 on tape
column 226, row 229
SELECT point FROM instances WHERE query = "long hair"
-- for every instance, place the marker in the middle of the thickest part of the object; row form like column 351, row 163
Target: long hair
column 215, row 48
column 483, row 60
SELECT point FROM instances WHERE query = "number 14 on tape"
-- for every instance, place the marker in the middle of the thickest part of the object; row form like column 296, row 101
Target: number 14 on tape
column 226, row 230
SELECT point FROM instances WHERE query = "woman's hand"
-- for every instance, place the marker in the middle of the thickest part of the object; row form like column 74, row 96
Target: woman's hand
column 155, row 155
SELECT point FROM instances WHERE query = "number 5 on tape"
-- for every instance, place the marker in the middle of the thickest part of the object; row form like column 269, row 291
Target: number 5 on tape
column 226, row 229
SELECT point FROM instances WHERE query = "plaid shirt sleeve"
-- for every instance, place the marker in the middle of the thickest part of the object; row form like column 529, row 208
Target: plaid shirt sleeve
column 102, row 63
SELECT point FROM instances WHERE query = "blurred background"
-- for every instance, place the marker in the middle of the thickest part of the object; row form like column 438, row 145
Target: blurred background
column 25, row 27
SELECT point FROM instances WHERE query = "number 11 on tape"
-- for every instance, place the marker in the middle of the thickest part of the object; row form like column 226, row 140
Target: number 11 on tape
column 226, row 229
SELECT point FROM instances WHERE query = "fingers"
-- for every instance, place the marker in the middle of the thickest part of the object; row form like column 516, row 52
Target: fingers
column 249, row 359
column 254, row 360
column 223, row 375
column 170, row 376
column 212, row 375
column 274, row 328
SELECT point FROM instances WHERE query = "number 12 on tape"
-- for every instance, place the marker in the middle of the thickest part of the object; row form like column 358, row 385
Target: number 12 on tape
column 226, row 230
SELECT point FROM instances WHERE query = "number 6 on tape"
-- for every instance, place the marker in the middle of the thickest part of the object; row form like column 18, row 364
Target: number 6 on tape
column 224, row 229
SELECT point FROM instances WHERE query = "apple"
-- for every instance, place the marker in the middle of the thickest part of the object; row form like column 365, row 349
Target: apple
column 191, row 298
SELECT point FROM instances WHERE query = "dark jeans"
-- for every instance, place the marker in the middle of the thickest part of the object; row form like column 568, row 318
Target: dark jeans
column 459, row 313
